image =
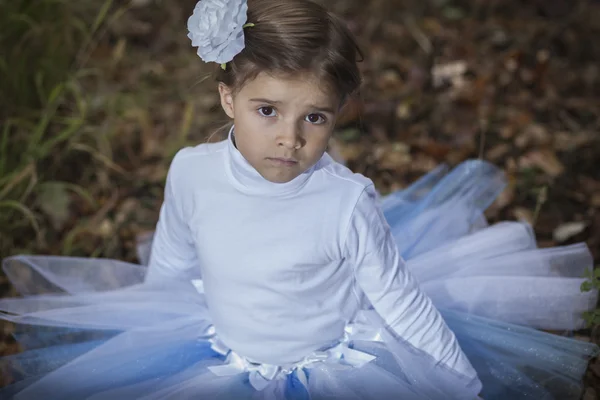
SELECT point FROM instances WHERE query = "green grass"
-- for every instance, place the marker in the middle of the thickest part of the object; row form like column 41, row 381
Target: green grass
column 592, row 282
column 42, row 41
column 44, row 45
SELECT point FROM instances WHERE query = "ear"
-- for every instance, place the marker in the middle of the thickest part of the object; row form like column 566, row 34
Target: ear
column 226, row 99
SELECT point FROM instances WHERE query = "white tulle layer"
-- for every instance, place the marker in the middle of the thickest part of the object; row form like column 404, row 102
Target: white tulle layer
column 94, row 330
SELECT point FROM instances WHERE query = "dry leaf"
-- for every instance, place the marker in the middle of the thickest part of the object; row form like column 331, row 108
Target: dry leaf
column 403, row 111
column 350, row 151
column 534, row 134
column 432, row 148
column 55, row 201
column 106, row 228
column 544, row 160
column 507, row 132
column 156, row 172
column 389, row 80
column 589, row 184
column 452, row 73
column 395, row 156
column 129, row 206
column 497, row 152
column 423, row 163
column 506, row 197
column 569, row 141
column 523, row 214
column 568, row 230
column 517, row 122
column 140, row 3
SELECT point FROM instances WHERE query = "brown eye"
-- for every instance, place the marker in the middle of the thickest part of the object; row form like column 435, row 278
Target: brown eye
column 316, row 119
column 267, row 111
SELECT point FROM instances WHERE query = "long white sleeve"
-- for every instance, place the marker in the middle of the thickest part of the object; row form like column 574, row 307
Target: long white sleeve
column 173, row 254
column 382, row 275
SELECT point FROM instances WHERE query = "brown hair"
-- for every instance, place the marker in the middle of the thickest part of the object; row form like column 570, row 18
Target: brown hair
column 293, row 37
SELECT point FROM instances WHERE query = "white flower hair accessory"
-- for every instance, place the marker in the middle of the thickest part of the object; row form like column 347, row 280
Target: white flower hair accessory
column 216, row 27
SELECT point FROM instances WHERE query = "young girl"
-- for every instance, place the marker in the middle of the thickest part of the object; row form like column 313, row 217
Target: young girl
column 276, row 273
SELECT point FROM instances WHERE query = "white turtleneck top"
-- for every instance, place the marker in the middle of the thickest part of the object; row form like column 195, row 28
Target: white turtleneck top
column 283, row 263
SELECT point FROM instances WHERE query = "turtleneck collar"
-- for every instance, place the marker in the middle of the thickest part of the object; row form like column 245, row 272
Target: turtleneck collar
column 247, row 179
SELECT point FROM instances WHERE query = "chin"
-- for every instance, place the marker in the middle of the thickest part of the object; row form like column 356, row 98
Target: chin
column 280, row 179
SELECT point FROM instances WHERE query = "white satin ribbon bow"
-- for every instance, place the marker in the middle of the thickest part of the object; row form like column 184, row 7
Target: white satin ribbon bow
column 261, row 374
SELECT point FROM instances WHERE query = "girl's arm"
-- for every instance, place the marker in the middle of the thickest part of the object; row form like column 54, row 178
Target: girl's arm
column 173, row 254
column 407, row 311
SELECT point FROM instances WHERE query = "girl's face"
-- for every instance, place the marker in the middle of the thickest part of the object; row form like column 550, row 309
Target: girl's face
column 282, row 124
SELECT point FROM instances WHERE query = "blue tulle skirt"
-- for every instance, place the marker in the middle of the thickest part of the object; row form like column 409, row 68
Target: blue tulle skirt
column 92, row 329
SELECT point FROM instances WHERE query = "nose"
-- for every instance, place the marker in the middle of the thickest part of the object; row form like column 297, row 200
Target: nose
column 290, row 137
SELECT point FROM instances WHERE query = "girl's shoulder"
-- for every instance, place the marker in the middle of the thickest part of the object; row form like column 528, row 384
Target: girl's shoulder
column 191, row 163
column 341, row 176
column 201, row 152
column 192, row 158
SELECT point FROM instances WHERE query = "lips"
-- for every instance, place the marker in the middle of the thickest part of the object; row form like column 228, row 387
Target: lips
column 288, row 162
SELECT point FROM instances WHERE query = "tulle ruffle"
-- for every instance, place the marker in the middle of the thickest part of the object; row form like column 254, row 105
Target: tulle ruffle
column 92, row 329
